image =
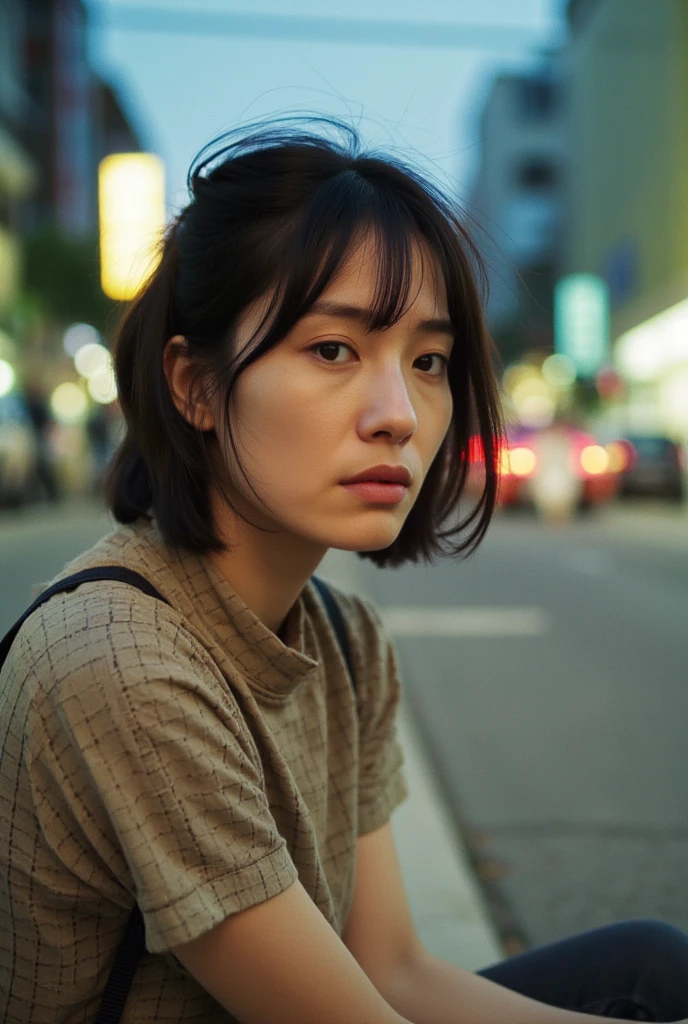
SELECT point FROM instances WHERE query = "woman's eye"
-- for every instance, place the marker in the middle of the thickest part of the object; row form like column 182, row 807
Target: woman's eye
column 440, row 365
column 329, row 350
column 434, row 364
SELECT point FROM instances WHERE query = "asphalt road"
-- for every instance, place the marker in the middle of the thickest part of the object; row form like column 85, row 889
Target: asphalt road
column 36, row 542
column 560, row 737
column 549, row 674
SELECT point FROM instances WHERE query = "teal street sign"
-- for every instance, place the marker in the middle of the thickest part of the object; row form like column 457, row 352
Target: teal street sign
column 581, row 322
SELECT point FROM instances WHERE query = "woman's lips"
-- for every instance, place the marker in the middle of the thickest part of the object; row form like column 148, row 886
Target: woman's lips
column 378, row 492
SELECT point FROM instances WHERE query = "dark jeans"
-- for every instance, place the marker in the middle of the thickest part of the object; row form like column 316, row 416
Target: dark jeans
column 637, row 970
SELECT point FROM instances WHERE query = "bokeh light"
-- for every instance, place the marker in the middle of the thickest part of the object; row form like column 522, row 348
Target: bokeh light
column 69, row 404
column 559, row 371
column 522, row 461
column 102, row 387
column 516, row 374
column 594, row 459
column 534, row 402
column 78, row 335
column 618, row 456
column 92, row 359
column 7, row 377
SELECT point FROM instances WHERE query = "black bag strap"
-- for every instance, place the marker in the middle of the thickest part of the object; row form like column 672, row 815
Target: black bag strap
column 129, row 952
column 133, row 942
column 69, row 583
column 337, row 620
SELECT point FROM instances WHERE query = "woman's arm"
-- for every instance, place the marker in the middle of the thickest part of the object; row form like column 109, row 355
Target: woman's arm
column 281, row 960
column 380, row 934
column 431, row 991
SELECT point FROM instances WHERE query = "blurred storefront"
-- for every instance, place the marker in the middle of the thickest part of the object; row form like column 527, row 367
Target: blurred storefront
column 17, row 180
column 626, row 71
column 517, row 203
column 58, row 120
column 59, row 130
column 18, row 172
column 75, row 118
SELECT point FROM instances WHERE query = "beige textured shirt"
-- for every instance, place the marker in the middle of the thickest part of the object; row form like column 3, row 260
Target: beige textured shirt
column 184, row 757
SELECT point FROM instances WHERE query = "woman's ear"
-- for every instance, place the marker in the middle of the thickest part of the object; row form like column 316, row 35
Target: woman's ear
column 180, row 371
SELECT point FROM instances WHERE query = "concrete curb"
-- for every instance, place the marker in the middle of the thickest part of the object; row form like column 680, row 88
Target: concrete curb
column 446, row 902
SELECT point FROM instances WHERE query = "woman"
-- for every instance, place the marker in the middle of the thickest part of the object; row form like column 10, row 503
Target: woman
column 303, row 370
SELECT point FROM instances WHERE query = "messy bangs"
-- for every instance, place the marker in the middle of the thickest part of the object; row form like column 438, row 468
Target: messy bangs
column 275, row 217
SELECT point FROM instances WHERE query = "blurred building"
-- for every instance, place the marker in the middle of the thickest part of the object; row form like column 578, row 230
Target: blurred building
column 626, row 72
column 73, row 119
column 517, row 203
column 18, row 172
column 58, row 120
column 65, row 119
column 59, row 129
column 113, row 129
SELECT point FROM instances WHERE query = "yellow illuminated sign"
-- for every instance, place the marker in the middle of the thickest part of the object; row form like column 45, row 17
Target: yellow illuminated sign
column 131, row 206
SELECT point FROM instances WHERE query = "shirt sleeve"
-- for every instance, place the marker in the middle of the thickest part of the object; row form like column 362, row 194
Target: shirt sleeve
column 382, row 783
column 145, row 764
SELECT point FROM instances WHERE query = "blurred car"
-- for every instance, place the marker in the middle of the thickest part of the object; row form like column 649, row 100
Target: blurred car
column 651, row 464
column 585, row 461
column 585, row 469
column 18, row 451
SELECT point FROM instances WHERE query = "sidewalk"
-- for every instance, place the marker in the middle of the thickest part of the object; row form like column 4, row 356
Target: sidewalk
column 446, row 903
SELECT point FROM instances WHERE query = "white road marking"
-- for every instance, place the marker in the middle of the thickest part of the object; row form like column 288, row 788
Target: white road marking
column 461, row 620
column 589, row 561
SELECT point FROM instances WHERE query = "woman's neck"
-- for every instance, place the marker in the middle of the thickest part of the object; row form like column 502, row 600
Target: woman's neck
column 267, row 570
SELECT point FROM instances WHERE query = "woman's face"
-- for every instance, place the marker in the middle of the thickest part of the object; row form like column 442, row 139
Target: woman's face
column 331, row 401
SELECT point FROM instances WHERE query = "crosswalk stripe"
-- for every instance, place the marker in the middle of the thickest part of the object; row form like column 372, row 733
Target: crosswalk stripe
column 462, row 620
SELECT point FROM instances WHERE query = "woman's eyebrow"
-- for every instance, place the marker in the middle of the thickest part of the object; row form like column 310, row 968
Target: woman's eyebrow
column 362, row 316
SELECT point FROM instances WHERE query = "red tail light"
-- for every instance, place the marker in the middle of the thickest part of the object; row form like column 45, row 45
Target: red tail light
column 476, row 452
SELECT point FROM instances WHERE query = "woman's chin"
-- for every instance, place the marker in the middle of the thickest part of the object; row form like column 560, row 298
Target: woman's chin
column 365, row 540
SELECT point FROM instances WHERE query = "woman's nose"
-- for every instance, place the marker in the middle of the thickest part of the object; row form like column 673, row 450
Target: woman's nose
column 388, row 406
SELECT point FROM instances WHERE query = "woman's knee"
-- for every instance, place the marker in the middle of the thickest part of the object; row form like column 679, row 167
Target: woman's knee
column 660, row 951
column 652, row 935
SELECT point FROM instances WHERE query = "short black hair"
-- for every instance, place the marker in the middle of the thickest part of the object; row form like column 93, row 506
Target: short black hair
column 276, row 207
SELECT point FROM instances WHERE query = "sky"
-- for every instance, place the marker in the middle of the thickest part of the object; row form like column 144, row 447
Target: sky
column 419, row 102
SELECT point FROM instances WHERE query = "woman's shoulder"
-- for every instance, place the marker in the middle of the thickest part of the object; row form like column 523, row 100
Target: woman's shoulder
column 106, row 660
column 103, row 647
column 107, row 629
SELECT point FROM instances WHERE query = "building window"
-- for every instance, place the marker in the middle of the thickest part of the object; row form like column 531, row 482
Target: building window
column 536, row 174
column 620, row 269
column 536, row 99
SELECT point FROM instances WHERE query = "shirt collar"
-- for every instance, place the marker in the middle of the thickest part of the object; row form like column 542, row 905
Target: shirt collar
column 272, row 667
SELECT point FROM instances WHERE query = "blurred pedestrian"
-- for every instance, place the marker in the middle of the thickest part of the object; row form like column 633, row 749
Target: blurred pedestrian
column 98, row 434
column 42, row 420
column 194, row 759
column 556, row 488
